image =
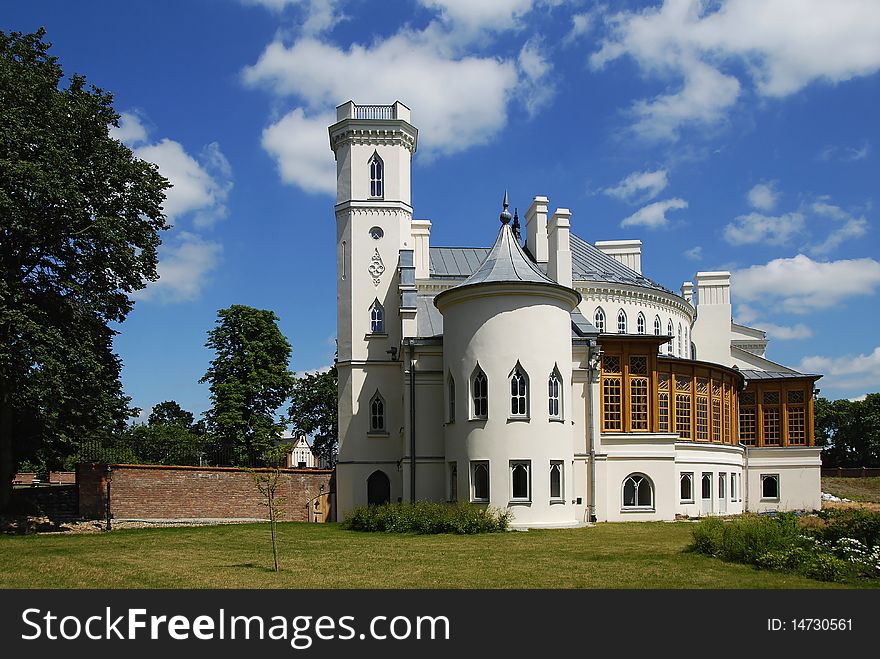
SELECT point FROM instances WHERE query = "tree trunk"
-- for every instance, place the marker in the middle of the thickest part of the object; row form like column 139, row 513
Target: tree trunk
column 7, row 464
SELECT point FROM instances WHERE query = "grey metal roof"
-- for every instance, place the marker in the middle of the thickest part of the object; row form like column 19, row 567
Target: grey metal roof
column 506, row 262
column 587, row 264
column 752, row 374
column 580, row 326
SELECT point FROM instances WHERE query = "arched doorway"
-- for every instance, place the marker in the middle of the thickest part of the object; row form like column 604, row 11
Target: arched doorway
column 378, row 488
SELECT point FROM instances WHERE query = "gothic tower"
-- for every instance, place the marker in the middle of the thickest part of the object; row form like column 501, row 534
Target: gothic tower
column 373, row 145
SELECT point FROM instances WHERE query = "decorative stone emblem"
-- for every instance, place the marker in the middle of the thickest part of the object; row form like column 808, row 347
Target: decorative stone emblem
column 376, row 267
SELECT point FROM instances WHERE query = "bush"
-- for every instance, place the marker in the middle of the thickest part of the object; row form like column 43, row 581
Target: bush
column 426, row 517
column 859, row 524
column 746, row 539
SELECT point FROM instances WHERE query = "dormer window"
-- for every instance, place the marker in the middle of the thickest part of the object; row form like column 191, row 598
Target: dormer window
column 377, row 176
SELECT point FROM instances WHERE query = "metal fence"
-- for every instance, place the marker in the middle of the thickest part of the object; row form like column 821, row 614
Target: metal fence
column 851, row 472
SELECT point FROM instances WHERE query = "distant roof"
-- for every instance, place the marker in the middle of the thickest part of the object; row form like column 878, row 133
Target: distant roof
column 752, row 374
column 587, row 264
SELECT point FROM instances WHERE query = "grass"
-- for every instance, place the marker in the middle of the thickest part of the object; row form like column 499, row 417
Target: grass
column 856, row 489
column 626, row 555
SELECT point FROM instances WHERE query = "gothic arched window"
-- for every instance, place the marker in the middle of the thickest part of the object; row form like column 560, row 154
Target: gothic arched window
column 479, row 394
column 599, row 319
column 680, row 354
column 638, row 492
column 658, row 327
column 377, row 317
column 554, row 394
column 670, row 332
column 640, row 323
column 377, row 413
column 621, row 322
column 519, row 392
column 377, row 176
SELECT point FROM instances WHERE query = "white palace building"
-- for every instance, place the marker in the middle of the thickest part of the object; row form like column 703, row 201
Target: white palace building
column 544, row 374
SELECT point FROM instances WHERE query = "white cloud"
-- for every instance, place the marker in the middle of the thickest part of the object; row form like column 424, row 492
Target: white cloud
column 801, row 285
column 756, row 228
column 130, row 131
column 581, row 24
column 846, row 372
column 763, row 196
column 494, row 15
column 745, row 314
column 653, row 215
column 184, row 266
column 200, row 187
column 784, row 333
column 535, row 87
column 458, row 102
column 639, row 185
column 694, row 253
column 781, row 45
column 318, row 15
column 852, row 227
column 846, row 153
column 299, row 145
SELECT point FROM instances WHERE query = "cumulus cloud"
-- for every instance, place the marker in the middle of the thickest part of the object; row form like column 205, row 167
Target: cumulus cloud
column 199, row 186
column 849, row 227
column 535, row 87
column 801, row 285
column 779, row 45
column 299, row 145
column 495, row 15
column 581, row 24
column 694, row 253
column 763, row 196
column 846, row 372
column 639, row 185
column 318, row 15
column 131, row 129
column 184, row 265
column 653, row 215
column 756, row 228
column 784, row 332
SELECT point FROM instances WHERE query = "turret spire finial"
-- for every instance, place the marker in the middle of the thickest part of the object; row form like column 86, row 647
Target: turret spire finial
column 505, row 214
column 515, row 227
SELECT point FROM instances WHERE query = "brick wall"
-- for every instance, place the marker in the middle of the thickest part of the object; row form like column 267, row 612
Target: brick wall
column 160, row 492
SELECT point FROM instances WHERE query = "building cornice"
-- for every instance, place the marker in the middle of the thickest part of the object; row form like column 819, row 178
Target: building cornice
column 612, row 292
column 374, row 132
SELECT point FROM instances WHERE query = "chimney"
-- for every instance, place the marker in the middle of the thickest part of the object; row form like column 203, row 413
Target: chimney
column 712, row 332
column 626, row 252
column 687, row 292
column 559, row 260
column 421, row 233
column 536, row 229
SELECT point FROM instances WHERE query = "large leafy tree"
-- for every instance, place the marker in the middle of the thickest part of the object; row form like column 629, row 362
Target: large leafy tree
column 80, row 217
column 169, row 437
column 249, row 380
column 849, row 431
column 314, row 411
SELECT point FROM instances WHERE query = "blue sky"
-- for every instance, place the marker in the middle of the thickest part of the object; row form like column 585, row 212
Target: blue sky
column 738, row 135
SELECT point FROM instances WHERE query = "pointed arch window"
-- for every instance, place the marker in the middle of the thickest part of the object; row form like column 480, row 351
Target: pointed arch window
column 377, row 176
column 377, row 413
column 450, row 399
column 640, row 323
column 670, row 332
column 621, row 322
column 599, row 319
column 658, row 327
column 377, row 317
column 554, row 394
column 479, row 394
column 519, row 392
column 680, row 353
column 687, row 344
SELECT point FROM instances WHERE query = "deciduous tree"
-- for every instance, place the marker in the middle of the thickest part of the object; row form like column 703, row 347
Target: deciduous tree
column 80, row 218
column 314, row 412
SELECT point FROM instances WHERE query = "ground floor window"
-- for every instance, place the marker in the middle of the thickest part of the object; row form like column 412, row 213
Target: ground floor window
column 770, row 486
column 480, row 481
column 733, row 486
column 638, row 492
column 453, row 481
column 520, row 480
column 707, row 486
column 556, row 467
column 686, row 482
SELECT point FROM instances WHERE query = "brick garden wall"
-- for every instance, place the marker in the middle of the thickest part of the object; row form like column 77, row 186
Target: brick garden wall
column 160, row 492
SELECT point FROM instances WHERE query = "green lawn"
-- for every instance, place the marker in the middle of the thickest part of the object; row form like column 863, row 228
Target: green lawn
column 633, row 555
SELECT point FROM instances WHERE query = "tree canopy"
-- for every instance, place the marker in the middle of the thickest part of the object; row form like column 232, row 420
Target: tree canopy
column 849, row 431
column 313, row 411
column 80, row 218
column 249, row 380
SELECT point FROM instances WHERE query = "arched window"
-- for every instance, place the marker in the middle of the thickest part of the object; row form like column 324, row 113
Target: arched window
column 621, row 322
column 377, row 317
column 599, row 319
column 519, row 392
column 479, row 394
column 554, row 394
column 377, row 176
column 687, row 344
column 520, row 480
column 640, row 323
column 450, row 400
column 377, row 413
column 658, row 327
column 680, row 354
column 670, row 332
column 479, row 480
column 638, row 492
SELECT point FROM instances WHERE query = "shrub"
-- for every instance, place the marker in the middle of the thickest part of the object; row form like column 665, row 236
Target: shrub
column 426, row 517
column 857, row 523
